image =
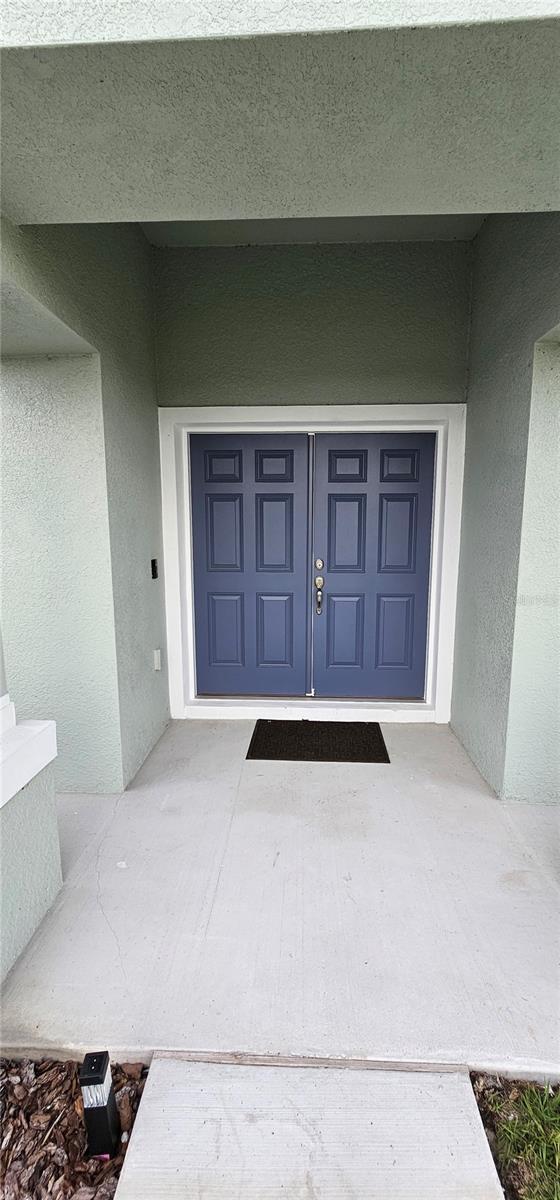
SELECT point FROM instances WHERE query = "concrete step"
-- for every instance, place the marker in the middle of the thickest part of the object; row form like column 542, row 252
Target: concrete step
column 226, row 1130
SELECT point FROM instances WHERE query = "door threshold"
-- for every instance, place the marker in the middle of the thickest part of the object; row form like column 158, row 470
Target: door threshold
column 386, row 701
column 302, row 709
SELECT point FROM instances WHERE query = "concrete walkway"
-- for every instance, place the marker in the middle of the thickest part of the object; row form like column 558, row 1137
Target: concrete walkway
column 273, row 1133
column 395, row 913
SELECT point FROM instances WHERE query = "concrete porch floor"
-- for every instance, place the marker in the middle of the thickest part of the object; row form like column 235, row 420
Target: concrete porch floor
column 397, row 912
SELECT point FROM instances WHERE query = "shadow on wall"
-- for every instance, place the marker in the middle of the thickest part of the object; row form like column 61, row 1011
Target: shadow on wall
column 507, row 509
column 57, row 609
column 532, row 765
column 86, row 430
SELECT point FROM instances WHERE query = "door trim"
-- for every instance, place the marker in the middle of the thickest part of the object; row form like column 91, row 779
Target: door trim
column 447, row 421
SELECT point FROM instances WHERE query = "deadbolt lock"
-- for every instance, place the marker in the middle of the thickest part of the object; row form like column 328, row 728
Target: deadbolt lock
column 319, row 564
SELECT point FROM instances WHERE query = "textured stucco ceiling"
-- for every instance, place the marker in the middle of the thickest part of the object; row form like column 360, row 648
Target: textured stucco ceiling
column 58, row 22
column 380, row 122
column 292, row 231
column 28, row 329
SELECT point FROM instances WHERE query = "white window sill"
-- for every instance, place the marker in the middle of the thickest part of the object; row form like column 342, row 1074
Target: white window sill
column 25, row 749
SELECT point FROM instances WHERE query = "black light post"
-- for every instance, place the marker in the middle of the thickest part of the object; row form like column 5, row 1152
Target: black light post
column 101, row 1116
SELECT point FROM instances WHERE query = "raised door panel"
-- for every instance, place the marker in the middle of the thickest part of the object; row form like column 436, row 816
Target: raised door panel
column 394, row 632
column 274, row 466
column 226, row 629
column 400, row 466
column 347, row 466
column 346, row 533
column 275, row 630
column 223, row 466
column 224, row 533
column 274, row 519
column 345, row 631
column 397, row 533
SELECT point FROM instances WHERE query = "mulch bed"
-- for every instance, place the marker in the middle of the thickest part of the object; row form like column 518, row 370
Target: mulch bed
column 43, row 1135
column 522, row 1124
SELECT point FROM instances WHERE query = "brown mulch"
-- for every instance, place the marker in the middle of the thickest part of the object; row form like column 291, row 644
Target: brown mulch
column 43, row 1135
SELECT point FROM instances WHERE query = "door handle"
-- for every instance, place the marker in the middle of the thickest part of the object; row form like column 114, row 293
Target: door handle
column 319, row 585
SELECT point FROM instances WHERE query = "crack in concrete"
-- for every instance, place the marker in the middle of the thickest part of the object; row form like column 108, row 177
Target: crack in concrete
column 100, row 904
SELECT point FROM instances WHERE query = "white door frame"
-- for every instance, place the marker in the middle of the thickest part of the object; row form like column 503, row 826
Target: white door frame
column 447, row 421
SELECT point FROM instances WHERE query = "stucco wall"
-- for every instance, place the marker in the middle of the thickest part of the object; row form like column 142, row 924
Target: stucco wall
column 97, row 280
column 387, row 121
column 3, row 679
column 371, row 324
column 57, row 601
column 532, row 766
column 30, row 873
column 516, row 300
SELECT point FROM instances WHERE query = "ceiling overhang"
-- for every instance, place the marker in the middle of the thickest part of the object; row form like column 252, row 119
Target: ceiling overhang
column 380, row 122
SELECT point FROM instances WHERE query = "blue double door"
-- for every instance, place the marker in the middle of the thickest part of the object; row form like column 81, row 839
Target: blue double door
column 312, row 563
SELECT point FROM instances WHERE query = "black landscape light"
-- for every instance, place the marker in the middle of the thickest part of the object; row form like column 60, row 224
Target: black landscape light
column 101, row 1116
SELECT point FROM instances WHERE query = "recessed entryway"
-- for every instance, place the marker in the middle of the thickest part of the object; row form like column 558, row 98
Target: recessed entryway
column 253, row 501
column 311, row 563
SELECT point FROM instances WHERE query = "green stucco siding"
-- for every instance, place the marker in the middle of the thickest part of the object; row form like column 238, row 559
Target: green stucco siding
column 332, row 324
column 30, row 863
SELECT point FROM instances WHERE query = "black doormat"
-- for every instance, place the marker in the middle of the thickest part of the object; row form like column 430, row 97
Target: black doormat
column 318, row 741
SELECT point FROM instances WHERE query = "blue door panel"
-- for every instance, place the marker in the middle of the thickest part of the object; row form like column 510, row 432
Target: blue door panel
column 346, row 527
column 274, row 532
column 393, row 631
column 250, row 551
column 226, row 629
column 372, row 528
column 345, row 630
column 224, row 533
column 397, row 533
column 275, row 630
